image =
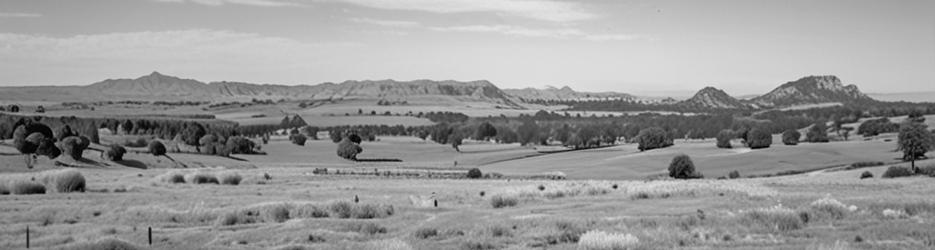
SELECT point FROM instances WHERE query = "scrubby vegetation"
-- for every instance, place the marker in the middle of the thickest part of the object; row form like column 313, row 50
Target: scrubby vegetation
column 653, row 138
column 63, row 181
column 896, row 171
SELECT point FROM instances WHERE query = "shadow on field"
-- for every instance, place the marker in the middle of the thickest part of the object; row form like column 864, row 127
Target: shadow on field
column 380, row 160
column 132, row 164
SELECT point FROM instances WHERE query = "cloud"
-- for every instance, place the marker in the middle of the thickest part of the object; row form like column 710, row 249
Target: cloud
column 19, row 15
column 548, row 10
column 263, row 3
column 560, row 33
column 387, row 23
column 223, row 52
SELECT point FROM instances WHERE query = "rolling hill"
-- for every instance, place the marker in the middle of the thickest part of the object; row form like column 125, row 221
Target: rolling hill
column 564, row 94
column 713, row 98
column 813, row 90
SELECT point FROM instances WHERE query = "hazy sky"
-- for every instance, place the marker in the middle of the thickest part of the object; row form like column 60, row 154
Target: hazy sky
column 642, row 47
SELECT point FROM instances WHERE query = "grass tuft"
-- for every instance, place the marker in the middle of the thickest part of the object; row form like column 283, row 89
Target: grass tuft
column 63, row 181
column 26, row 187
column 230, row 179
column 201, row 178
column 500, row 201
column 172, row 177
column 774, row 218
column 425, row 233
column 600, row 240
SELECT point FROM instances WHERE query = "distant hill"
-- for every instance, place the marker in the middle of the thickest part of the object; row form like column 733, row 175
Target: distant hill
column 922, row 96
column 157, row 86
column 564, row 94
column 813, row 90
column 712, row 98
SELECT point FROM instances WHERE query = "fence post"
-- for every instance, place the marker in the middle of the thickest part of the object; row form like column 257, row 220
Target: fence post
column 150, row 236
column 27, row 236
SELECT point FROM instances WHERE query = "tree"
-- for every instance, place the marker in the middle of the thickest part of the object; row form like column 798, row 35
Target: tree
column 456, row 141
column 653, row 138
column 240, row 145
column 207, row 139
column 791, row 137
column 192, row 133
column 298, row 139
column 157, row 148
column 115, row 152
column 347, row 149
column 914, row 141
column 528, row 132
column 485, row 131
column 724, row 137
column 29, row 137
column 845, row 131
column 759, row 138
column 682, row 167
column 74, row 146
column 310, row 132
column 817, row 133
column 876, row 127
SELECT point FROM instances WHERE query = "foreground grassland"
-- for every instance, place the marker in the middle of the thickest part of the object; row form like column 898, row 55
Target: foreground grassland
column 278, row 201
column 291, row 208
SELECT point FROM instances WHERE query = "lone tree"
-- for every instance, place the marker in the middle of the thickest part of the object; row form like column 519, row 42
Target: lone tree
column 653, row 138
column 759, row 138
column 791, row 137
column 456, row 141
column 156, row 148
column 474, row 173
column 817, row 133
column 348, row 149
column 914, row 141
column 724, row 137
column 74, row 146
column 485, row 131
column 115, row 152
column 682, row 167
column 298, row 139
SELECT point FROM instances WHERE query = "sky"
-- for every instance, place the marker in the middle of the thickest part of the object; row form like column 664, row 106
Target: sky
column 640, row 47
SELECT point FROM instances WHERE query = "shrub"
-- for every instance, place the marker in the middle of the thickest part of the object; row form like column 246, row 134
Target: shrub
column 156, row 148
column 202, row 178
column 231, row 179
column 895, row 172
column 682, row 167
column 308, row 211
column 275, row 213
column 759, row 138
column 599, row 240
column 724, row 137
column 298, row 139
column 864, row 164
column 192, row 133
column 425, row 233
column 653, row 138
column 791, row 137
column 103, row 244
column 347, row 149
column 370, row 211
column 342, row 209
column 827, row 208
column 369, row 228
column 172, row 177
column 734, row 174
column 115, row 152
column 817, row 133
column 63, row 181
column 866, row 175
column 474, row 173
column 499, row 201
column 26, row 187
column 876, row 127
column 775, row 218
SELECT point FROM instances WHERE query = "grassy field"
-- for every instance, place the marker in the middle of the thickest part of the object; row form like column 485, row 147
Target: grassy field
column 281, row 202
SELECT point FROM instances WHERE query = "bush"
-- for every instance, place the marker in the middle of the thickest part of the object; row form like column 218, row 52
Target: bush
column 759, row 138
column 231, row 179
column 817, row 133
column 298, row 139
column 425, row 233
column 724, row 137
column 156, row 148
column 240, row 145
column 733, row 174
column 599, row 240
column 308, row 211
column 474, row 173
column 653, row 138
column 115, row 152
column 876, row 127
column 202, row 178
column 104, row 244
column 895, row 172
column 682, row 167
column 172, row 178
column 864, row 164
column 370, row 211
column 499, row 201
column 275, row 213
column 775, row 218
column 347, row 149
column 192, row 133
column 342, row 209
column 791, row 137
column 63, row 181
column 26, row 187
column 866, row 175
column 369, row 228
